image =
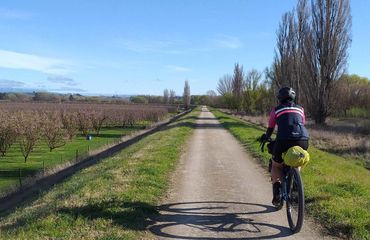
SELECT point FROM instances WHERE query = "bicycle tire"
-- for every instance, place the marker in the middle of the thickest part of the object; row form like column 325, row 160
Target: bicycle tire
column 295, row 201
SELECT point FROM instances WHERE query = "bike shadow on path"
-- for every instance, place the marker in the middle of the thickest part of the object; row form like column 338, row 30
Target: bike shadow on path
column 214, row 220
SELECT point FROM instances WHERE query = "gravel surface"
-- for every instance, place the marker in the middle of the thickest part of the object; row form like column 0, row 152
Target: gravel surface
column 221, row 192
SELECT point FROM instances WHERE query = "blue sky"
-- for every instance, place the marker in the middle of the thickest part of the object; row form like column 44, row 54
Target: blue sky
column 142, row 47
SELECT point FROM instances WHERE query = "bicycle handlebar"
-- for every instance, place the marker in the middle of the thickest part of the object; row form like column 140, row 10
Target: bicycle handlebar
column 262, row 145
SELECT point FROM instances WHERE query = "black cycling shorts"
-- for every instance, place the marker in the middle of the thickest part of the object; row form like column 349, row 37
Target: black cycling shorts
column 280, row 146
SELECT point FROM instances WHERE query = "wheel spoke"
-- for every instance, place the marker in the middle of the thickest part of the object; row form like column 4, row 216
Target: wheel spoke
column 295, row 201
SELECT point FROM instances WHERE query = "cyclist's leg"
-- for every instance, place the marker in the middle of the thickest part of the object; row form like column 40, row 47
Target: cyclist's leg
column 277, row 173
column 277, row 162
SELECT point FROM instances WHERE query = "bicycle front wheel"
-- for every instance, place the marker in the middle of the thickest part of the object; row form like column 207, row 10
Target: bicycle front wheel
column 295, row 200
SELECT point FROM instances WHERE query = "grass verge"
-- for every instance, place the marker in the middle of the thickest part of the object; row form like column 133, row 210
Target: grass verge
column 111, row 200
column 337, row 191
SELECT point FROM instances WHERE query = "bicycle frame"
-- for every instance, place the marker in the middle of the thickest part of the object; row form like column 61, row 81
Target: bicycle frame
column 291, row 183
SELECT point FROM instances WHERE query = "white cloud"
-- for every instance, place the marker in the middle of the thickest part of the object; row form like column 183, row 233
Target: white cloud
column 14, row 14
column 5, row 83
column 228, row 42
column 68, row 89
column 16, row 60
column 178, row 68
column 151, row 46
column 63, row 80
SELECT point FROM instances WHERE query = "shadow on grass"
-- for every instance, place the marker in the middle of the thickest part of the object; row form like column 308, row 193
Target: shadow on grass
column 229, row 125
column 129, row 215
column 229, row 220
column 106, row 135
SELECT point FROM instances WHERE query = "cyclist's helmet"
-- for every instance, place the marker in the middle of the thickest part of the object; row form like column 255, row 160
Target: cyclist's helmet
column 286, row 94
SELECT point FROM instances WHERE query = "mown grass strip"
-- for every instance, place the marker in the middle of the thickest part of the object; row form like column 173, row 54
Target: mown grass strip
column 337, row 191
column 111, row 200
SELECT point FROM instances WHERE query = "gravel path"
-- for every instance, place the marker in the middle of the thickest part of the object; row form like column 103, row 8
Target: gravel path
column 220, row 192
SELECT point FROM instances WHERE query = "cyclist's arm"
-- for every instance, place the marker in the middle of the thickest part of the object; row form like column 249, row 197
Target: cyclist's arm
column 271, row 124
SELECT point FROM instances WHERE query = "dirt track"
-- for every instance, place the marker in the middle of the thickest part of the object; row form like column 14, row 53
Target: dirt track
column 220, row 192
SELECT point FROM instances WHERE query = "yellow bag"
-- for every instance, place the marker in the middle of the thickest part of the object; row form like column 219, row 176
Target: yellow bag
column 296, row 157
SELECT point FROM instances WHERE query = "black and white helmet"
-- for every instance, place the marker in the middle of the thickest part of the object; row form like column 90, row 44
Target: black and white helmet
column 286, row 94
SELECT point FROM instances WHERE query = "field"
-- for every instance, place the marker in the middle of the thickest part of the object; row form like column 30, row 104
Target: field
column 50, row 135
column 337, row 190
column 12, row 164
column 111, row 200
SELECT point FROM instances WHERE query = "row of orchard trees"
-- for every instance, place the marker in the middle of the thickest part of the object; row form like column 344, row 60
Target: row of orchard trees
column 311, row 57
column 26, row 124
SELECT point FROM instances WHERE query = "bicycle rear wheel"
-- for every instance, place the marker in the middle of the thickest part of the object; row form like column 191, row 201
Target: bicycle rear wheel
column 295, row 200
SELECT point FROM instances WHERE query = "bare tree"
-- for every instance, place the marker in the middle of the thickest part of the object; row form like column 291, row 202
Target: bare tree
column 238, row 86
column 210, row 98
column 250, row 93
column 8, row 134
column 70, row 124
column 28, row 127
column 166, row 96
column 288, row 69
column 325, row 53
column 252, row 79
column 225, row 89
column 225, row 85
column 311, row 54
column 98, row 118
column 84, row 121
column 186, row 95
column 53, row 130
column 172, row 96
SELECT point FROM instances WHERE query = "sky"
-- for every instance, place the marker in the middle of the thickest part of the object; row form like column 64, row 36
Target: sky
column 119, row 47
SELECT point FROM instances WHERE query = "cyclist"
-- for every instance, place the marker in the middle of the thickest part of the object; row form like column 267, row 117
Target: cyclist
column 290, row 119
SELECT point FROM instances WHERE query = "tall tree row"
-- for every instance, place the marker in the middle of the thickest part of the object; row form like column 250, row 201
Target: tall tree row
column 312, row 51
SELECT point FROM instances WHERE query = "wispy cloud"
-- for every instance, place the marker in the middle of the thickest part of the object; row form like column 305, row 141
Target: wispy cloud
column 5, row 83
column 16, row 60
column 151, row 46
column 14, row 14
column 180, row 46
column 225, row 41
column 178, row 68
column 68, row 89
column 63, row 80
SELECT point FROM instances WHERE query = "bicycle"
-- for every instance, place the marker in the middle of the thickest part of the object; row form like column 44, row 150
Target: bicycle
column 292, row 193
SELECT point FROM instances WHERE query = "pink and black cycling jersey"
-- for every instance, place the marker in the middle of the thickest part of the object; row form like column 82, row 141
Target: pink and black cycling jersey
column 290, row 120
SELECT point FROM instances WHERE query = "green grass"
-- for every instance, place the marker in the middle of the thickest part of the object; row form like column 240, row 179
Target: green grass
column 14, row 160
column 359, row 112
column 110, row 200
column 337, row 191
